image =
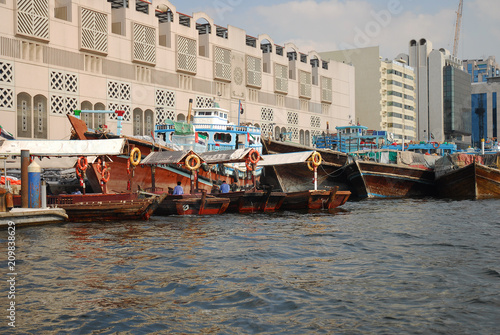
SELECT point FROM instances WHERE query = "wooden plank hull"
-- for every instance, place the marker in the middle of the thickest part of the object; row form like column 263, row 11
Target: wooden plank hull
column 253, row 201
column 378, row 180
column 200, row 206
column 474, row 181
column 315, row 200
column 103, row 207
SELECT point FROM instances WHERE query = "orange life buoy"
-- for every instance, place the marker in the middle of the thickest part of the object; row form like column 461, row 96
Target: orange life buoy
column 99, row 164
column 248, row 165
column 435, row 145
column 82, row 163
column 310, row 165
column 316, row 158
column 135, row 156
column 193, row 159
column 254, row 156
column 106, row 174
column 78, row 172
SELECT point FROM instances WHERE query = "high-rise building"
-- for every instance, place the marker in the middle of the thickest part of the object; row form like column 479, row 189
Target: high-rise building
column 385, row 91
column 443, row 94
column 485, row 102
column 58, row 56
column 482, row 69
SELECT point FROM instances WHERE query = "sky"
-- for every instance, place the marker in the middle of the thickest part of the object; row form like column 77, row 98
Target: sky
column 327, row 25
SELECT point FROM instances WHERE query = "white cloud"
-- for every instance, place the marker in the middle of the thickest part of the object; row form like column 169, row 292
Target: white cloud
column 335, row 24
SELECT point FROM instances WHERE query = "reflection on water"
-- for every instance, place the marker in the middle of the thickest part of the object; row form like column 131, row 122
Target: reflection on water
column 393, row 266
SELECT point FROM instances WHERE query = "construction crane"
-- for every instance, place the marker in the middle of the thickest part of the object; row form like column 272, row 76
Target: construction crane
column 457, row 28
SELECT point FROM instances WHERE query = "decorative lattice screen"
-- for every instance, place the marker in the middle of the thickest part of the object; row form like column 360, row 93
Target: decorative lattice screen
column 294, row 131
column 222, row 63
column 63, row 81
column 163, row 114
column 292, row 118
column 6, row 85
column 120, row 94
column 315, row 121
column 94, row 31
column 266, row 130
column 326, row 89
column 254, row 71
column 144, row 43
column 64, row 92
column 267, row 114
column 63, row 104
column 165, row 105
column 305, row 84
column 281, row 78
column 203, row 102
column 33, row 18
column 186, row 54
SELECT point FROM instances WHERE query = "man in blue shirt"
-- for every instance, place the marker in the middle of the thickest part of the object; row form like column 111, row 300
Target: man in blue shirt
column 224, row 188
column 178, row 189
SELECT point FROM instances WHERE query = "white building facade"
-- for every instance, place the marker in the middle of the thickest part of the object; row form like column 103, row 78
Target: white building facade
column 149, row 60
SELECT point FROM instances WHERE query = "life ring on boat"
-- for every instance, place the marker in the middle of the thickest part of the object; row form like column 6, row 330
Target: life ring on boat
column 253, row 156
column 316, row 159
column 105, row 175
column 248, row 165
column 135, row 156
column 82, row 163
column 78, row 172
column 435, row 145
column 98, row 163
column 189, row 162
column 310, row 165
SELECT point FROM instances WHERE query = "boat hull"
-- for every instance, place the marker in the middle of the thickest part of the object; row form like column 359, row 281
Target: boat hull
column 253, row 201
column 472, row 181
column 378, row 180
column 103, row 207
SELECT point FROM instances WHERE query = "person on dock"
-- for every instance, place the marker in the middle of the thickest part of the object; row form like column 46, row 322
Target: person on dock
column 224, row 188
column 178, row 189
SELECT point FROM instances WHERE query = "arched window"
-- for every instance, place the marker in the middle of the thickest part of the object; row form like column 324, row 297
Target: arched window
column 181, row 117
column 99, row 119
column 88, row 118
column 138, row 124
column 277, row 132
column 40, row 124
column 301, row 137
column 308, row 138
column 24, row 115
column 149, row 122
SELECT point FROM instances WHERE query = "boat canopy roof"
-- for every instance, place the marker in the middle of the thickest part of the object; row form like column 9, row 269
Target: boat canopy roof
column 63, row 148
column 285, row 158
column 226, row 156
column 166, row 157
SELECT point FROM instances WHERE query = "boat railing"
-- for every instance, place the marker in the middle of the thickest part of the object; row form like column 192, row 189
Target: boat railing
column 227, row 127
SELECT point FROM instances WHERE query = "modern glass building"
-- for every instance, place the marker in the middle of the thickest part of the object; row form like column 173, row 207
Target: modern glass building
column 484, row 111
column 457, row 113
column 482, row 69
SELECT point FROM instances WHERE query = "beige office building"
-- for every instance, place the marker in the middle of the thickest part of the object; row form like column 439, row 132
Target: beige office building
column 148, row 60
column 385, row 92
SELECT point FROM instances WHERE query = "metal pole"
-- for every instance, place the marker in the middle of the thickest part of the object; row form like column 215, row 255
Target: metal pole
column 315, row 177
column 25, row 162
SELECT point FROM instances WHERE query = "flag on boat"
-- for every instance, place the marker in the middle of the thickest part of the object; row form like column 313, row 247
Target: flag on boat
column 201, row 139
column 5, row 134
column 240, row 108
column 250, row 139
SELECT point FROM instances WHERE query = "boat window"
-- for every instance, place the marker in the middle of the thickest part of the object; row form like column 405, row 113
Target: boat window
column 216, row 113
column 225, row 116
column 222, row 137
column 208, row 113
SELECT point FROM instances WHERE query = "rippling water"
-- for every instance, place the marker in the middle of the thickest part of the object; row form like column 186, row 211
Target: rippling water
column 375, row 267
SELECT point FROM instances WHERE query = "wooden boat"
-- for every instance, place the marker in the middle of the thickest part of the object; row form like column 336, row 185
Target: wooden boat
column 378, row 180
column 315, row 200
column 126, row 177
column 477, row 177
column 103, row 207
column 292, row 177
column 201, row 205
column 253, row 201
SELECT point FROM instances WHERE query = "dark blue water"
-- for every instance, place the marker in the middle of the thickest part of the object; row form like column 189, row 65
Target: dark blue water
column 377, row 267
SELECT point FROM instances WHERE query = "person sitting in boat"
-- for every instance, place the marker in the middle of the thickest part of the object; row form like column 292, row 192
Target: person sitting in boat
column 178, row 189
column 224, row 188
